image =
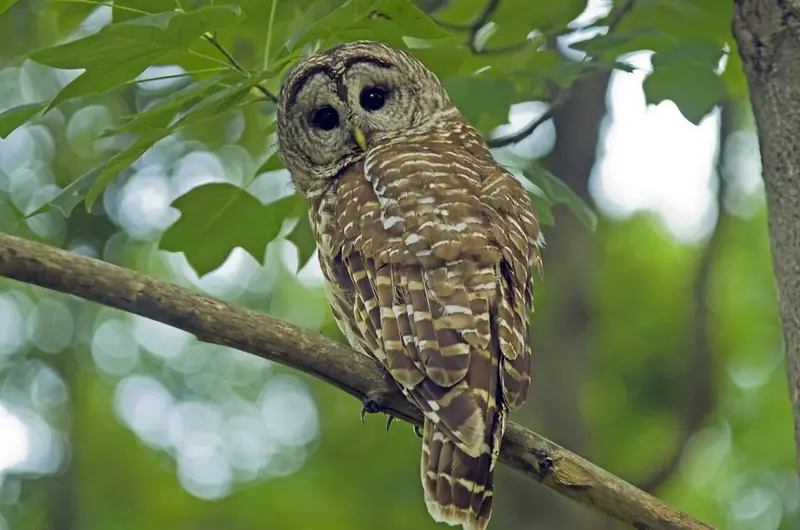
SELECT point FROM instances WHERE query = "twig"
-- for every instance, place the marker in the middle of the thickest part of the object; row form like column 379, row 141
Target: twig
column 482, row 20
column 528, row 130
column 137, row 81
column 473, row 29
column 218, row 322
column 561, row 96
column 235, row 64
column 270, row 26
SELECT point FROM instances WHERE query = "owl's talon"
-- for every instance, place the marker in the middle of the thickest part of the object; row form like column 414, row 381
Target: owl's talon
column 418, row 431
column 369, row 407
column 389, row 420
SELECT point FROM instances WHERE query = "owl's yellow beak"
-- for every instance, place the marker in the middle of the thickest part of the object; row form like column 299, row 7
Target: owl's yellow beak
column 361, row 140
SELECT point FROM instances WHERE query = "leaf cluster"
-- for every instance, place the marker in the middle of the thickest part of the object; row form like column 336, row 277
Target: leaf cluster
column 489, row 55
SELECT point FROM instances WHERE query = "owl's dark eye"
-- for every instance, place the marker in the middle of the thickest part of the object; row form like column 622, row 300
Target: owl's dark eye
column 373, row 98
column 325, row 118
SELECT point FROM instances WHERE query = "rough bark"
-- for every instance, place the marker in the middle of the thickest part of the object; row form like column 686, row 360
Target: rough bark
column 221, row 323
column 768, row 34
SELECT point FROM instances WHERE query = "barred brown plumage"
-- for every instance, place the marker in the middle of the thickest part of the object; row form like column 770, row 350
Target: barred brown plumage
column 428, row 248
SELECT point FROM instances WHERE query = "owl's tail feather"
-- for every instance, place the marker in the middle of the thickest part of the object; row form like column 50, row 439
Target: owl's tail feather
column 458, row 487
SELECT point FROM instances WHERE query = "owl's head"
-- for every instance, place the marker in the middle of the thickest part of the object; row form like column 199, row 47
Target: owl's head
column 335, row 105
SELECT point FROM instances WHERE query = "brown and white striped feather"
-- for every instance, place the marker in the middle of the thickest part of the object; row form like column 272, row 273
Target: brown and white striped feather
column 428, row 247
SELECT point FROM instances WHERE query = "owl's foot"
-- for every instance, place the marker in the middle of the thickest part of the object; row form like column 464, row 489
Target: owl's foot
column 390, row 419
column 369, row 407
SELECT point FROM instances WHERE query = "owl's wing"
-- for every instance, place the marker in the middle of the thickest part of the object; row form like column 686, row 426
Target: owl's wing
column 438, row 246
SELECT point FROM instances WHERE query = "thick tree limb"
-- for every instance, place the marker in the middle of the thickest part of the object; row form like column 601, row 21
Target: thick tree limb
column 768, row 33
column 221, row 323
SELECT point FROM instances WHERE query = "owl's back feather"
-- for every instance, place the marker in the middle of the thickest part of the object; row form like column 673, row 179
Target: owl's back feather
column 428, row 247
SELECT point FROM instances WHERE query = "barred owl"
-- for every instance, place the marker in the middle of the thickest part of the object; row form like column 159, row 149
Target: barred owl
column 427, row 246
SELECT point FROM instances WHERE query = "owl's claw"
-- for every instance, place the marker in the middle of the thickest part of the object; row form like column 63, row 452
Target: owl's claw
column 369, row 407
column 390, row 419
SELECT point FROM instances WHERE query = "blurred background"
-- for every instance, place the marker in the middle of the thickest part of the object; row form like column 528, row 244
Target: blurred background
column 657, row 346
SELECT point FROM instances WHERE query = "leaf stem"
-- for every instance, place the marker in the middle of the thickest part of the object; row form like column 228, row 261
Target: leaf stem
column 270, row 25
column 230, row 58
column 209, row 58
column 106, row 4
column 235, row 64
column 174, row 76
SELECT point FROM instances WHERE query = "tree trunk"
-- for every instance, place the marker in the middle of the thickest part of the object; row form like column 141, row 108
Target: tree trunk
column 768, row 33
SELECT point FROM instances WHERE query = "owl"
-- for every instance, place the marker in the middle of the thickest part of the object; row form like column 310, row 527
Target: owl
column 427, row 246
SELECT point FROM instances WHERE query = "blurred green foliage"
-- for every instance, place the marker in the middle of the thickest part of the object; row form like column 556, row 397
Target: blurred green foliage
column 160, row 156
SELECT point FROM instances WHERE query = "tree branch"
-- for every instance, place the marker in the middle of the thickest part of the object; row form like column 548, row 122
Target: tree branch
column 561, row 96
column 218, row 322
column 768, row 34
column 516, row 137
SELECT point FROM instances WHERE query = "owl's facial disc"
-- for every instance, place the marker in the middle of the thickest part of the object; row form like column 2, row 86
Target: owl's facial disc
column 336, row 105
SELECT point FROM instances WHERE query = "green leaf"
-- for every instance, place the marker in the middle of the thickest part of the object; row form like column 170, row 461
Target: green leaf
column 5, row 5
column 218, row 217
column 162, row 113
column 126, row 40
column 217, row 103
column 121, row 51
column 483, row 101
column 123, row 10
column 345, row 16
column 544, row 211
column 515, row 19
column 68, row 198
column 695, row 89
column 302, row 236
column 557, row 192
column 14, row 117
column 273, row 163
column 659, row 25
column 103, row 79
column 122, row 160
column 616, row 40
column 403, row 14
column 206, row 109
column 382, row 20
column 702, row 54
column 460, row 12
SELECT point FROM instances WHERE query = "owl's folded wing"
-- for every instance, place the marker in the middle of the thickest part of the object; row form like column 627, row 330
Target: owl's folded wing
column 433, row 337
column 438, row 295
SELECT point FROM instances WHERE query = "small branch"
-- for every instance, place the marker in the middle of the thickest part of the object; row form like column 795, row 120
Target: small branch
column 485, row 16
column 617, row 17
column 561, row 96
column 473, row 29
column 482, row 20
column 221, row 323
column 238, row 67
column 189, row 73
column 526, row 131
